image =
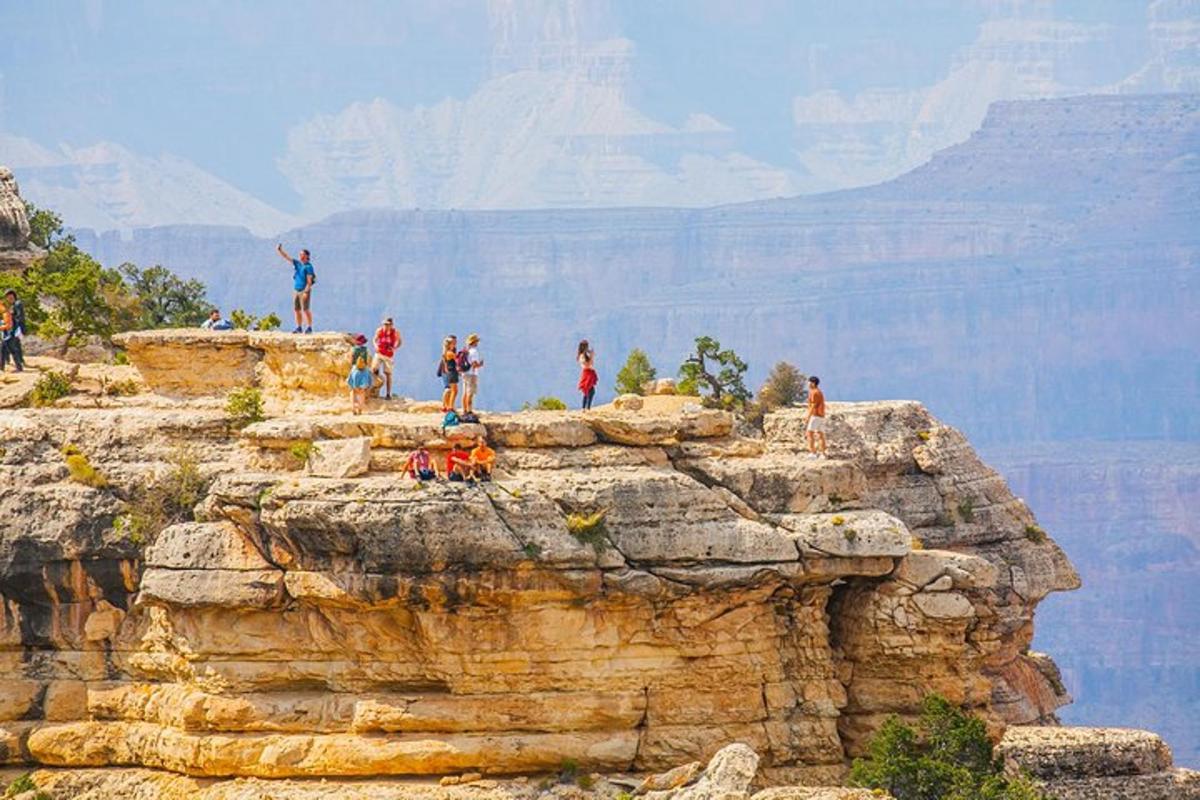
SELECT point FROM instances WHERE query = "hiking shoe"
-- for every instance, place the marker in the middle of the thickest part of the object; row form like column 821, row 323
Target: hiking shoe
column 298, row 329
column 308, row 330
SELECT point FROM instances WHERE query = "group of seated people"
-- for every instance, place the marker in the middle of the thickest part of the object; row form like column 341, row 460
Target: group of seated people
column 462, row 465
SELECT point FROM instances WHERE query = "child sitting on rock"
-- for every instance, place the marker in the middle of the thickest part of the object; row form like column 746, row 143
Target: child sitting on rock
column 360, row 378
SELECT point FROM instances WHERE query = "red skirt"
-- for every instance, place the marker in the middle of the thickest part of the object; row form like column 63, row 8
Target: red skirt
column 588, row 380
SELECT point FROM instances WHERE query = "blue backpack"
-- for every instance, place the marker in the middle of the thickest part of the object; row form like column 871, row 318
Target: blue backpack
column 450, row 420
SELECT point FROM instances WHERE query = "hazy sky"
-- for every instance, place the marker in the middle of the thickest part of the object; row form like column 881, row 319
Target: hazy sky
column 220, row 83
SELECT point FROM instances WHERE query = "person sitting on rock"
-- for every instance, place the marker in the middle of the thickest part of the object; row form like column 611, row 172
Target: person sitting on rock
column 483, row 459
column 458, row 464
column 215, row 323
column 360, row 378
column 419, row 465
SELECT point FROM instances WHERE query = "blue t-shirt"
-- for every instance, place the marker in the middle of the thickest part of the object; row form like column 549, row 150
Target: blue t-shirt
column 300, row 273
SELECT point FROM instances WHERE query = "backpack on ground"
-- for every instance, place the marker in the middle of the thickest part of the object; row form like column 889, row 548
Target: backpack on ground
column 468, row 416
column 450, row 420
column 464, row 360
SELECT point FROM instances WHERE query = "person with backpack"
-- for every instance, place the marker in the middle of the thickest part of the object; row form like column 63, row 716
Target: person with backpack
column 448, row 372
column 588, row 378
column 361, row 378
column 303, row 278
column 387, row 340
column 473, row 362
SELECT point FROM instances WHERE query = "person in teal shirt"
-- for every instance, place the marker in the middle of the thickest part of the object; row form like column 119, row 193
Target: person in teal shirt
column 303, row 278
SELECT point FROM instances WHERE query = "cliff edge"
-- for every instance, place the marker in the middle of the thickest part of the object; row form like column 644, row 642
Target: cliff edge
column 636, row 590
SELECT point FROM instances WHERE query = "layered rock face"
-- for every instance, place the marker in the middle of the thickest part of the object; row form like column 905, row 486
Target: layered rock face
column 16, row 251
column 731, row 590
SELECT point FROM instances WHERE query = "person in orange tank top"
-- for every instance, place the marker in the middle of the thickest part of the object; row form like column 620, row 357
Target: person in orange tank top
column 815, row 418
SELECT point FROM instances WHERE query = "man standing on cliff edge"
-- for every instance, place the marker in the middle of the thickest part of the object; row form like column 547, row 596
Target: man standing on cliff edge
column 303, row 278
column 815, row 418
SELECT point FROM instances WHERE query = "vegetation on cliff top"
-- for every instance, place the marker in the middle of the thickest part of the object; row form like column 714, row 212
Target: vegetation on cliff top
column 71, row 297
column 636, row 373
column 947, row 756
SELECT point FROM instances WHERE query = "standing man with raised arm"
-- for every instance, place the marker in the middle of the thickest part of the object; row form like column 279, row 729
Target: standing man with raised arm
column 303, row 278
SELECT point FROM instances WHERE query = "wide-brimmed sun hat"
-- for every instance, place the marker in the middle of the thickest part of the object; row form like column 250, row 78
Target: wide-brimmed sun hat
column 473, row 338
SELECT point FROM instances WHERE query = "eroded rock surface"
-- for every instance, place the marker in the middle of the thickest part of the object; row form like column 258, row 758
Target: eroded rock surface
column 16, row 251
column 347, row 624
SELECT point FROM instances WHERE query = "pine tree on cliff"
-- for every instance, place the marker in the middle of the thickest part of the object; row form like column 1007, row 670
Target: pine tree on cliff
column 725, row 387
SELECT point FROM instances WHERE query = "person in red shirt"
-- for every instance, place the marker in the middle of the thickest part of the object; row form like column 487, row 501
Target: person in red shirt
column 387, row 340
column 815, row 418
column 458, row 463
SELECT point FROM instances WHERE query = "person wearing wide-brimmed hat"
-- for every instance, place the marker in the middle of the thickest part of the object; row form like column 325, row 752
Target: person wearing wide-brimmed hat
column 471, row 377
column 360, row 378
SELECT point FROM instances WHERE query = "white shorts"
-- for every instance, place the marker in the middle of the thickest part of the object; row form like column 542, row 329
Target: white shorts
column 816, row 424
column 470, row 382
column 382, row 361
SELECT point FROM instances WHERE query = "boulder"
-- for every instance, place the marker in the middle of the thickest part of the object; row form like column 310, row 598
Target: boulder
column 628, row 402
column 340, row 458
column 727, row 777
column 659, row 386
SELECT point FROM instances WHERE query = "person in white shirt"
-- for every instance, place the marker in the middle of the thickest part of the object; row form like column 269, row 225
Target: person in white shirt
column 471, row 378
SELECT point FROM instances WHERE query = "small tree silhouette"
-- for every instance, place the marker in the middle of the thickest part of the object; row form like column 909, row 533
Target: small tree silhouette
column 725, row 387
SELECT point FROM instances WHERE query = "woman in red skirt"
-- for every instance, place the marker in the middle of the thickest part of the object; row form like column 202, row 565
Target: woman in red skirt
column 587, row 375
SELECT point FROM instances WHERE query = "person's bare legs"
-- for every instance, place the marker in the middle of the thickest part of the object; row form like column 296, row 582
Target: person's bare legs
column 812, row 447
column 821, row 436
column 308, row 317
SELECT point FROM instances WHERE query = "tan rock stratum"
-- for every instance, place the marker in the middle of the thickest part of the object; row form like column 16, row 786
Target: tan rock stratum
column 344, row 625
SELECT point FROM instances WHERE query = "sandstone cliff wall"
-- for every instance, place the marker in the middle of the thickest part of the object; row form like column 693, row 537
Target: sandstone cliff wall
column 314, row 626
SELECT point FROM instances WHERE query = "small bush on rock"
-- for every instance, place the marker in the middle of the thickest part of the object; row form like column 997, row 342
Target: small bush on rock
column 242, row 320
column 589, row 529
column 302, row 453
column 947, row 756
column 81, row 470
column 637, row 372
column 168, row 500
column 244, row 406
column 50, row 387
column 546, row 403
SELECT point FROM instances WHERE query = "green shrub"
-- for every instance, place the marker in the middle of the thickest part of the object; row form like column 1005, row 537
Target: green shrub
column 121, row 358
column 81, row 470
column 568, row 769
column 302, row 453
column 532, row 550
column 250, row 322
column 966, row 509
column 947, row 756
column 168, row 500
column 50, row 387
column 24, row 783
column 127, row 386
column 637, row 372
column 244, row 406
column 589, row 529
column 546, row 403
column 1035, row 534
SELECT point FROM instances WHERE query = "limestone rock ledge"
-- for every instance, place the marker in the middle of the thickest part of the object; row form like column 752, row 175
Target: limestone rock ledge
column 304, row 626
column 1088, row 763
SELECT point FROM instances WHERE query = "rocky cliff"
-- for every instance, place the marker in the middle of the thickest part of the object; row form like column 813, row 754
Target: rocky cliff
column 364, row 624
column 635, row 590
column 16, row 251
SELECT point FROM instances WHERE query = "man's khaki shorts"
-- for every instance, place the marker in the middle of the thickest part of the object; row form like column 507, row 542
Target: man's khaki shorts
column 382, row 361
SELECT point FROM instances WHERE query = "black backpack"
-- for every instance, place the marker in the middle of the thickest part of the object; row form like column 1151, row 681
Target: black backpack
column 464, row 361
